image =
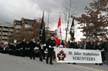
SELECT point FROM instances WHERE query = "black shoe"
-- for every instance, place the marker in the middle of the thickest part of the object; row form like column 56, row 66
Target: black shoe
column 46, row 62
column 33, row 58
column 30, row 57
column 73, row 63
column 51, row 63
column 41, row 60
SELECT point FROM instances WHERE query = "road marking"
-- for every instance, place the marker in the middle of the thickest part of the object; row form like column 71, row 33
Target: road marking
column 88, row 68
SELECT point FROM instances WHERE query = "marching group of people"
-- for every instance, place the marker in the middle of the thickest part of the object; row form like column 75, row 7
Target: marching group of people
column 33, row 49
column 46, row 51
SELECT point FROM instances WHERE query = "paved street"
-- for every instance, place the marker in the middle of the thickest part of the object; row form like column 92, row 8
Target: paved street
column 13, row 63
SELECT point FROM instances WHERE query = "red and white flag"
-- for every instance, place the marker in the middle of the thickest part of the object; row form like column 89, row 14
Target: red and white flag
column 58, row 32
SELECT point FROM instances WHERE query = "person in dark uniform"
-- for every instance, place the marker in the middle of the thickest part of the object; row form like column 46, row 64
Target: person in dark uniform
column 72, row 44
column 23, row 46
column 40, row 50
column 18, row 46
column 50, row 46
column 42, row 54
column 32, row 45
column 104, row 50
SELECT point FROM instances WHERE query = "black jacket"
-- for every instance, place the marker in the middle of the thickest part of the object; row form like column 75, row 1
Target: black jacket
column 50, row 45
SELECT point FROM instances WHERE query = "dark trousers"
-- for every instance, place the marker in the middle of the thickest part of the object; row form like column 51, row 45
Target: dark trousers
column 49, row 58
column 22, row 53
column 32, row 54
column 106, row 57
column 41, row 55
column 103, row 56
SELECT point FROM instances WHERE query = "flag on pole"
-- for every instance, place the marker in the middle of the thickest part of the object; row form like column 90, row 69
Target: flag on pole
column 42, row 31
column 58, row 33
column 72, row 31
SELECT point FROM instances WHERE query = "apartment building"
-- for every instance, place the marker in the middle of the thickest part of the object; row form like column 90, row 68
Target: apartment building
column 6, row 30
column 26, row 29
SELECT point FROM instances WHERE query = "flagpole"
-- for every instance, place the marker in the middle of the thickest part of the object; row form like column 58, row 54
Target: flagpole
column 68, row 20
column 42, row 31
column 58, row 32
column 72, row 29
column 60, row 26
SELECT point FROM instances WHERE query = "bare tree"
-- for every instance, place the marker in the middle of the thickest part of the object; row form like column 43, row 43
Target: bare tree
column 68, row 11
column 95, row 19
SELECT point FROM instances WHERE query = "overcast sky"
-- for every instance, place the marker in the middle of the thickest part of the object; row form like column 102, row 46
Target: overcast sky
column 32, row 9
column 15, row 9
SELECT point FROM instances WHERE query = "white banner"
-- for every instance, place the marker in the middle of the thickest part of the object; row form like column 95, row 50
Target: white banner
column 66, row 55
